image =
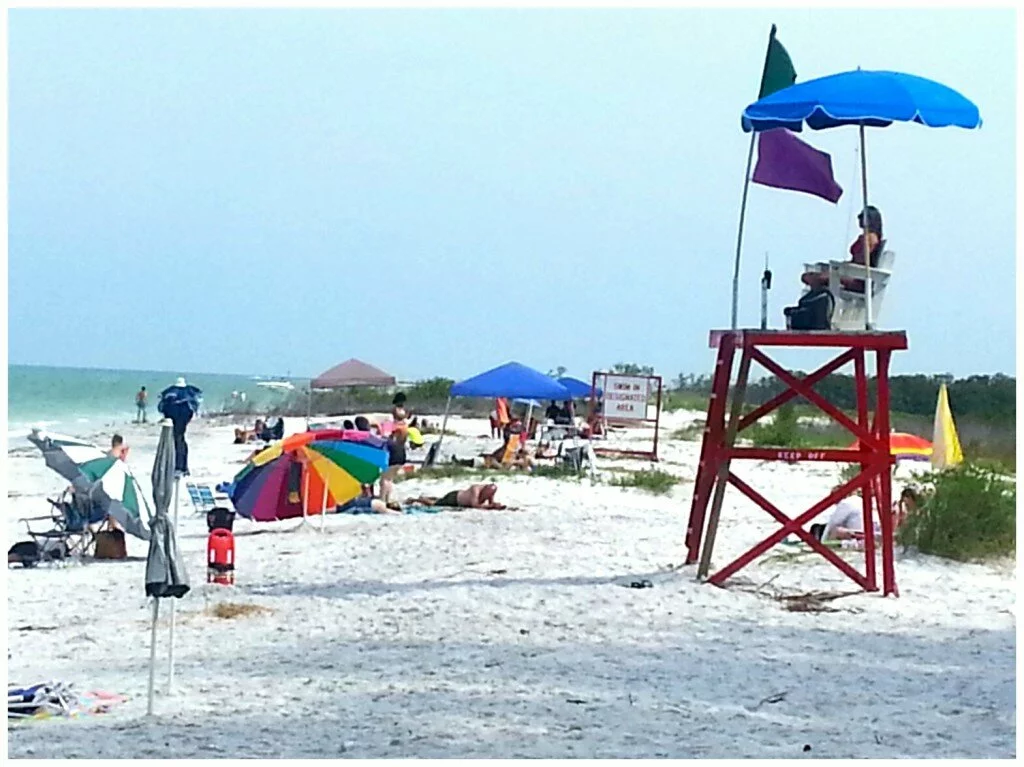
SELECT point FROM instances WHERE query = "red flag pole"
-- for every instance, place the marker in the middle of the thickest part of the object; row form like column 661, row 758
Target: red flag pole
column 746, row 188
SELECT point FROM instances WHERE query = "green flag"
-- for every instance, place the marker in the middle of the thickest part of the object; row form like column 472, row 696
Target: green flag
column 778, row 68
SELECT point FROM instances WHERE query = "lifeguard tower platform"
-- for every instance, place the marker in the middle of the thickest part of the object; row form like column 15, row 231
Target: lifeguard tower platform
column 871, row 430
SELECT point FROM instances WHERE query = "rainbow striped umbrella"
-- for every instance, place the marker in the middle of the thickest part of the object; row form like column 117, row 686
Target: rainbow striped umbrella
column 307, row 473
column 906, row 446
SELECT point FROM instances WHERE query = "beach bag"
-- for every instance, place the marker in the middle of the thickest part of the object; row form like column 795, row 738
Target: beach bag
column 26, row 551
column 220, row 519
column 812, row 312
column 110, row 544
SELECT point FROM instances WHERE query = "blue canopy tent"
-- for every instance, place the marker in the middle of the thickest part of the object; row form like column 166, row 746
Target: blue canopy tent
column 577, row 388
column 862, row 98
column 513, row 380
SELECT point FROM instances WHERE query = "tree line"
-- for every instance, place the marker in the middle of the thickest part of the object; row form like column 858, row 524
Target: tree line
column 990, row 398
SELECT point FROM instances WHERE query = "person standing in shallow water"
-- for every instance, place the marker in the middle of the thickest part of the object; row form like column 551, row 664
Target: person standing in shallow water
column 141, row 400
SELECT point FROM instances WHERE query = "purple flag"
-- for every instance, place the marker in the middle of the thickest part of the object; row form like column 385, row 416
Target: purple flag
column 786, row 162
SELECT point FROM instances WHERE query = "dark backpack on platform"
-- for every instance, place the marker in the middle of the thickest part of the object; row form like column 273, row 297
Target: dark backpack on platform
column 812, row 312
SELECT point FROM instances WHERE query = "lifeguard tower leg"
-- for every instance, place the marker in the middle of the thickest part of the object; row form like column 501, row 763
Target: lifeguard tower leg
column 714, row 429
column 723, row 463
column 885, row 501
column 864, row 420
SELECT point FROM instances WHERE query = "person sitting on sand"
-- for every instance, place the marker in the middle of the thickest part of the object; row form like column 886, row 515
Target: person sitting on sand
column 909, row 502
column 521, row 460
column 270, row 433
column 347, row 425
column 242, row 436
column 495, row 460
column 847, row 519
column 366, row 504
column 472, row 497
column 362, row 423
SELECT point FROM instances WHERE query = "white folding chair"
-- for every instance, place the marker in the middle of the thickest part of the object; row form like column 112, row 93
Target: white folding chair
column 850, row 307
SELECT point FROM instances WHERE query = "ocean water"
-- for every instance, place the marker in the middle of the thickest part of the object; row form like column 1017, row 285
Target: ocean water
column 81, row 400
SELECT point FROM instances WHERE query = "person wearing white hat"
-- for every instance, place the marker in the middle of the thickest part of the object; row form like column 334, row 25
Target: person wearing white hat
column 179, row 403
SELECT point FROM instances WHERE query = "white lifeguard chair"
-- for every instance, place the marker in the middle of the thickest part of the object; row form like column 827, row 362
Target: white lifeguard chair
column 850, row 307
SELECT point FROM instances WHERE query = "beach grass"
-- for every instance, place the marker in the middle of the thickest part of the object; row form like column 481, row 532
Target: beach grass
column 443, row 471
column 557, row 471
column 653, row 481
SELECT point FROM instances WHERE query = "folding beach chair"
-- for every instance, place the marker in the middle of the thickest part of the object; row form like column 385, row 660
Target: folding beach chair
column 71, row 534
column 47, row 699
column 202, row 497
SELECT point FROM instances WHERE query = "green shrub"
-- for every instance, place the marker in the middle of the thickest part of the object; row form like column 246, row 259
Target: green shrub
column 652, row 480
column 968, row 514
column 787, row 431
column 782, row 431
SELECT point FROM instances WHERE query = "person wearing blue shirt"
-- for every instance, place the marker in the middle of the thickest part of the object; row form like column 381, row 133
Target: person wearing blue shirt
column 179, row 403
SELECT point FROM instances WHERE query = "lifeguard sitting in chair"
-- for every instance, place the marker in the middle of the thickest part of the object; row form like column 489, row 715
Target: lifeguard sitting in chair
column 835, row 296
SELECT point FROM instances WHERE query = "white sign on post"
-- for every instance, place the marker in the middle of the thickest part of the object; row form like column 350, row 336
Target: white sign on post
column 625, row 398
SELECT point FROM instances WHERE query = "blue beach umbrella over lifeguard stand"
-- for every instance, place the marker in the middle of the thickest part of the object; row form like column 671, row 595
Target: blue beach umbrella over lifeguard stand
column 865, row 99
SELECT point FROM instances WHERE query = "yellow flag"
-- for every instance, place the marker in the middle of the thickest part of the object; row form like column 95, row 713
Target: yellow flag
column 945, row 442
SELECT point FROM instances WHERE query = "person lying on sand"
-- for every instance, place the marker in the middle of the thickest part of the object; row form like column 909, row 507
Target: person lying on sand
column 472, row 497
column 365, row 504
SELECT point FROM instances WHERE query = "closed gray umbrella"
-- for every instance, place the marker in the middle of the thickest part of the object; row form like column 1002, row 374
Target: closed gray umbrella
column 165, row 572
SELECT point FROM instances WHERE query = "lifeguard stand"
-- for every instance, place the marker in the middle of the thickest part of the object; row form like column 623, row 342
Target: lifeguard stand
column 872, row 451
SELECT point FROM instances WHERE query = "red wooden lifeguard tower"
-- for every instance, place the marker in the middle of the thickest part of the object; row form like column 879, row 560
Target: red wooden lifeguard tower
column 871, row 431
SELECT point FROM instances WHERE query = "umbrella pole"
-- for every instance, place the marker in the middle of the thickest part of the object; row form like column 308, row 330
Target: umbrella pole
column 305, row 495
column 864, row 231
column 323, row 506
column 152, row 655
column 444, row 424
column 170, row 654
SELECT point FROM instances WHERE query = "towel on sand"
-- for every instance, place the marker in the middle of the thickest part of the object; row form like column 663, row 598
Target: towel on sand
column 47, row 699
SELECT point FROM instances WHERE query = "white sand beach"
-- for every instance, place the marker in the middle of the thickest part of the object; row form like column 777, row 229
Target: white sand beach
column 514, row 633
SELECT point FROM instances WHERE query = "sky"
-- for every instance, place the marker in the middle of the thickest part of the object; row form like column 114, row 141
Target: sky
column 441, row 191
